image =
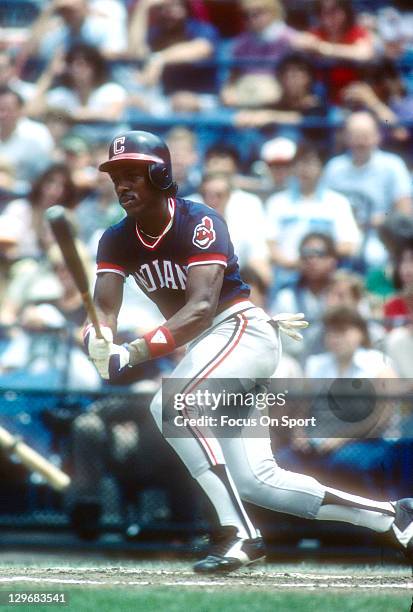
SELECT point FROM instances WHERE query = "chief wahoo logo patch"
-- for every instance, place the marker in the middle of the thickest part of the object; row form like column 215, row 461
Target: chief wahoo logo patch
column 204, row 233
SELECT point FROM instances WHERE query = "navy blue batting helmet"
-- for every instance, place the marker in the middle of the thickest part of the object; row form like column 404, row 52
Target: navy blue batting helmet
column 142, row 147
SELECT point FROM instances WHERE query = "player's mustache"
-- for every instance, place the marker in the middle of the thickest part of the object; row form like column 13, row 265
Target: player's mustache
column 127, row 195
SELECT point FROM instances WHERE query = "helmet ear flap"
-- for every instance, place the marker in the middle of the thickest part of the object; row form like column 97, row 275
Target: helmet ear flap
column 159, row 176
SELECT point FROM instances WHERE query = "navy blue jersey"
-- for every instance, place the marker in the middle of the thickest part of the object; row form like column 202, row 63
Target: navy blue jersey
column 198, row 236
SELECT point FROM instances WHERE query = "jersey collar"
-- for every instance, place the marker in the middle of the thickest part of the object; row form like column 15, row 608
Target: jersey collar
column 153, row 245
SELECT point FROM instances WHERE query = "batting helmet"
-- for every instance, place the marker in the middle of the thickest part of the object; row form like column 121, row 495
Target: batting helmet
column 142, row 147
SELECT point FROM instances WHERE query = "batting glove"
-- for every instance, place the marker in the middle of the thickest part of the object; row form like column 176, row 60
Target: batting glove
column 290, row 324
column 108, row 358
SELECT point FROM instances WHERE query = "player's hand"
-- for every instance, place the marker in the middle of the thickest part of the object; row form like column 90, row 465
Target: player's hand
column 103, row 352
column 119, row 360
column 290, row 324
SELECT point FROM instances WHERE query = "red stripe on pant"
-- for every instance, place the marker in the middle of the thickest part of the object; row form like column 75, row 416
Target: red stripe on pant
column 227, row 352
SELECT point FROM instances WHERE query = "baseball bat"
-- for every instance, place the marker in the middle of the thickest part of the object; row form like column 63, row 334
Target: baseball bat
column 33, row 460
column 62, row 231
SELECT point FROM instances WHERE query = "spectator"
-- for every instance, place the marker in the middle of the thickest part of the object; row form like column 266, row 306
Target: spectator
column 347, row 289
column 394, row 29
column 164, row 35
column 399, row 309
column 24, row 143
column 266, row 40
column 85, row 91
column 77, row 157
column 338, row 37
column 297, row 99
column 63, row 23
column 182, row 143
column 246, row 230
column 308, row 206
column 278, row 154
column 225, row 158
column 59, row 123
column 348, row 349
column 317, row 264
column 23, row 221
column 97, row 211
column 375, row 181
column 385, row 95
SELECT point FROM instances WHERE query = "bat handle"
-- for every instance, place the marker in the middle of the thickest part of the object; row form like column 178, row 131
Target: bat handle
column 90, row 309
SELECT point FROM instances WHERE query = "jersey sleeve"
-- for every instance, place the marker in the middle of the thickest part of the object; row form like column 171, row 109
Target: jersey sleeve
column 109, row 256
column 207, row 241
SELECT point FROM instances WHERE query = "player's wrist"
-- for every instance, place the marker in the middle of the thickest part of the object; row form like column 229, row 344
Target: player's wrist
column 159, row 342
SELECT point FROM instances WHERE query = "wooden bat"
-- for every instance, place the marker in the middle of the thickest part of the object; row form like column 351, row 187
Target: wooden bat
column 62, row 231
column 33, row 460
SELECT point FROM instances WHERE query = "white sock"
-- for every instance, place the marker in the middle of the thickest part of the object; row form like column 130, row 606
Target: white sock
column 356, row 510
column 219, row 487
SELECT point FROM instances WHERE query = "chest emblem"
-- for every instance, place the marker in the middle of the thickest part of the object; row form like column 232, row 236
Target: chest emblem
column 204, row 233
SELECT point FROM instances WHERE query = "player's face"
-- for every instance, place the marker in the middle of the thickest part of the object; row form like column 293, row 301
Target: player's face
column 132, row 186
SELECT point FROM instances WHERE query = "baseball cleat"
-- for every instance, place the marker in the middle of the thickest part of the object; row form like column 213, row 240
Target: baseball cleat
column 402, row 527
column 229, row 552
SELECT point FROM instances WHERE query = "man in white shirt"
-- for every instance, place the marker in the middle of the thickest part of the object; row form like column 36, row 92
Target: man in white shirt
column 64, row 22
column 375, row 181
column 307, row 206
column 244, row 215
column 26, row 144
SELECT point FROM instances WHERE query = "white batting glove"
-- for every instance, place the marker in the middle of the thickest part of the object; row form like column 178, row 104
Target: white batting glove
column 290, row 324
column 108, row 358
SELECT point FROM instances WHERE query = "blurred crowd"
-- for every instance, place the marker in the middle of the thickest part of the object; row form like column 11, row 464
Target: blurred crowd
column 293, row 119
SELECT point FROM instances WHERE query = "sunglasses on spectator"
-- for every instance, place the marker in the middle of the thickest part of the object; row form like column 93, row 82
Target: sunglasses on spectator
column 307, row 253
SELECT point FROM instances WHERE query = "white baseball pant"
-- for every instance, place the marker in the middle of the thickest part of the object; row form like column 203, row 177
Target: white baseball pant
column 240, row 344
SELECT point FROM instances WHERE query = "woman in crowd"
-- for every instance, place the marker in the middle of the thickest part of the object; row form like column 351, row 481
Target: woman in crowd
column 297, row 98
column 338, row 37
column 84, row 89
column 23, row 221
column 165, row 35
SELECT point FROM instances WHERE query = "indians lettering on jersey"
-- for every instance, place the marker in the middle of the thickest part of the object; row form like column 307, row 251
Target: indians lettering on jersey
column 157, row 274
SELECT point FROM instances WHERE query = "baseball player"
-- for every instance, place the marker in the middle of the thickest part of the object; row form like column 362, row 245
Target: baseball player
column 180, row 254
